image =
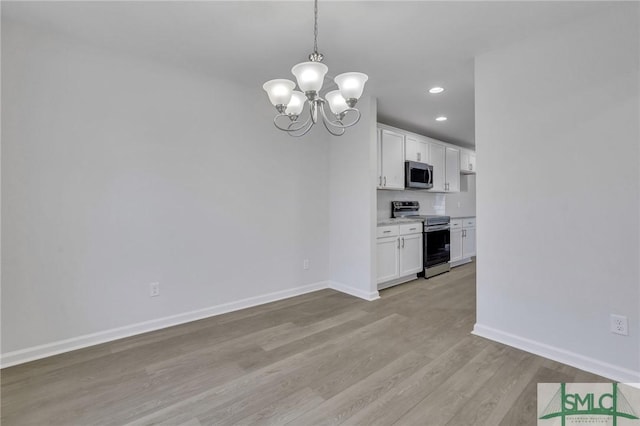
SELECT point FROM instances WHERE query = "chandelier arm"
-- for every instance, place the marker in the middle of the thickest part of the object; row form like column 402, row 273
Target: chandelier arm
column 289, row 128
column 327, row 122
column 304, row 130
column 338, row 123
column 358, row 116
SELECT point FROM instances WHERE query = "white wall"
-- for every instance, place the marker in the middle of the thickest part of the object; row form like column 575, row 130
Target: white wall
column 352, row 176
column 557, row 134
column 463, row 203
column 117, row 172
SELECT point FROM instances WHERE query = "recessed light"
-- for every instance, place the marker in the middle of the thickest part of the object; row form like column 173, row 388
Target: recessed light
column 441, row 118
column 436, row 90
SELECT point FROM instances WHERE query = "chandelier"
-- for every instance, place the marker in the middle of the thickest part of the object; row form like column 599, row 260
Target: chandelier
column 310, row 75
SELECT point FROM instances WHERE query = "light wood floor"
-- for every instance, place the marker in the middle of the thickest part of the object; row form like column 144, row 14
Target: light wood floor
column 321, row 358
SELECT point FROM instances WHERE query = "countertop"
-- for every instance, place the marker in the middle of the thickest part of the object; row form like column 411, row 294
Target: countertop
column 397, row 221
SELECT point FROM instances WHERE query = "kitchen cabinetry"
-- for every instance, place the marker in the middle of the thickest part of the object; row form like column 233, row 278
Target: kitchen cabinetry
column 396, row 146
column 446, row 168
column 452, row 170
column 467, row 162
column 455, row 233
column 437, row 157
column 399, row 253
column 416, row 150
column 390, row 160
column 463, row 240
column 468, row 237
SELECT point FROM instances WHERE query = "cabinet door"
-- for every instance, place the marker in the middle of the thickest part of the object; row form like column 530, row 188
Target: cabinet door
column 411, row 149
column 411, row 261
column 388, row 259
column 392, row 160
column 437, row 158
column 379, row 162
column 456, row 245
column 464, row 161
column 416, row 150
column 469, row 243
column 452, row 170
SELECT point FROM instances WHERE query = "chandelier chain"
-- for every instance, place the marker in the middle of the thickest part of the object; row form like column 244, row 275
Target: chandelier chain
column 315, row 26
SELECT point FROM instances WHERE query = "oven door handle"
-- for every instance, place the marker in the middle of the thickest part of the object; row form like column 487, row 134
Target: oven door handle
column 437, row 228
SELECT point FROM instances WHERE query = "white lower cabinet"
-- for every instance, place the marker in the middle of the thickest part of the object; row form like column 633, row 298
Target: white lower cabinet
column 399, row 252
column 468, row 242
column 388, row 259
column 411, row 261
column 456, row 245
column 463, row 240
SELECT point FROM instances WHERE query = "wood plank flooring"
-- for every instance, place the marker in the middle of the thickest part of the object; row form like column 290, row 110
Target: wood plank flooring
column 324, row 358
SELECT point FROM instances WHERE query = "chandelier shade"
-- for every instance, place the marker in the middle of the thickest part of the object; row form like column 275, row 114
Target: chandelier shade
column 351, row 84
column 296, row 104
column 337, row 104
column 310, row 76
column 279, row 91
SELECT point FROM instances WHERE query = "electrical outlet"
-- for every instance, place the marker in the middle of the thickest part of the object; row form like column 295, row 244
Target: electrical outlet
column 305, row 264
column 154, row 289
column 619, row 324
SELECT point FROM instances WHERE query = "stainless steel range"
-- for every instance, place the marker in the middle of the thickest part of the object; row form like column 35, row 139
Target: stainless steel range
column 436, row 237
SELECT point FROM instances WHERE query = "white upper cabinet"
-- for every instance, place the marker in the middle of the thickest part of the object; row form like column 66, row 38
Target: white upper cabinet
column 437, row 158
column 391, row 157
column 416, row 150
column 379, row 159
column 452, row 170
column 446, row 168
column 467, row 162
column 396, row 146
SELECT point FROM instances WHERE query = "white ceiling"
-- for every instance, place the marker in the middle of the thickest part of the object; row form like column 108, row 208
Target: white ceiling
column 404, row 46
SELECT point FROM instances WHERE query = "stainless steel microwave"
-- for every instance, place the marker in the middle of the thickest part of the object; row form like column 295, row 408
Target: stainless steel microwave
column 418, row 175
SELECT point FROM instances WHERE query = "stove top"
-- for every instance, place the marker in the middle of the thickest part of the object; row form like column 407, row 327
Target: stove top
column 410, row 209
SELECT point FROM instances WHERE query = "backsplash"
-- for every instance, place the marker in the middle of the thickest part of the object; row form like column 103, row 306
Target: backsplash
column 455, row 204
column 430, row 203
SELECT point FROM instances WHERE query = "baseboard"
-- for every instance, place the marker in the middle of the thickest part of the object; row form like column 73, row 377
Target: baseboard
column 397, row 281
column 460, row 262
column 373, row 295
column 42, row 351
column 573, row 359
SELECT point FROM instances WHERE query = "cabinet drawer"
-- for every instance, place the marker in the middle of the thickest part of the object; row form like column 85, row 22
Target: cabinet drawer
column 456, row 224
column 469, row 222
column 387, row 231
column 411, row 228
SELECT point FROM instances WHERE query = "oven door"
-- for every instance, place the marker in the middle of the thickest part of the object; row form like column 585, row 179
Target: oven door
column 437, row 243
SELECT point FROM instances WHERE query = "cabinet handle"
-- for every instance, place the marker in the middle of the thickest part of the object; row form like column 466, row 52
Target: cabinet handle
column 398, row 242
column 380, row 179
column 464, row 232
column 402, row 242
column 470, row 166
column 412, row 229
column 385, row 181
column 385, row 232
column 419, row 156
